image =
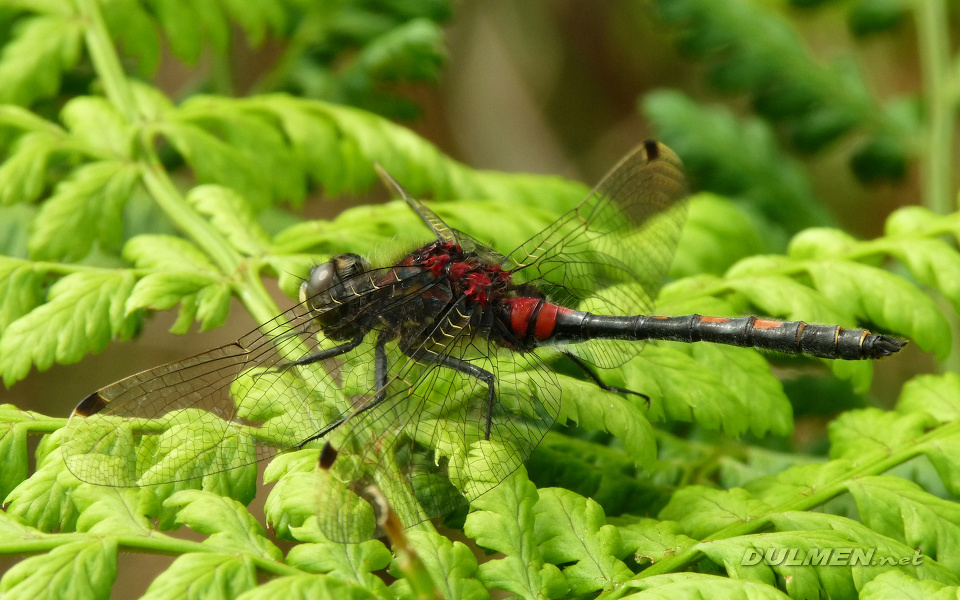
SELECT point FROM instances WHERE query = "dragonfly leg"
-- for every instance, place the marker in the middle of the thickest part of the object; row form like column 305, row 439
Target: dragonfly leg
column 380, row 368
column 596, row 378
column 318, row 356
column 380, row 373
column 485, row 376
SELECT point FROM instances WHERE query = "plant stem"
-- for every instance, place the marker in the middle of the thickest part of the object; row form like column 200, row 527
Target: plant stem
column 934, row 37
column 165, row 193
column 932, row 31
column 107, row 63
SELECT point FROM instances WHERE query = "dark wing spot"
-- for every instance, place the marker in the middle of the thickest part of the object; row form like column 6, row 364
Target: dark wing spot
column 327, row 456
column 653, row 151
column 91, row 405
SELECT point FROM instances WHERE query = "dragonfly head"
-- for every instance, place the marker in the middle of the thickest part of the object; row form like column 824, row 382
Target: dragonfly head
column 331, row 274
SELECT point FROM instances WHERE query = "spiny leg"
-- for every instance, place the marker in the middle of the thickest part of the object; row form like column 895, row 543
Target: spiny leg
column 596, row 378
column 463, row 366
column 324, row 354
column 380, row 368
column 380, row 374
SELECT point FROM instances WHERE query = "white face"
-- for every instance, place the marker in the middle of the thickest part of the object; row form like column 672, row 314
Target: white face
column 320, row 279
column 326, row 277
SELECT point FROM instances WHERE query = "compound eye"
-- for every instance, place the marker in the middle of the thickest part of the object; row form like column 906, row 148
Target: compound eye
column 320, row 280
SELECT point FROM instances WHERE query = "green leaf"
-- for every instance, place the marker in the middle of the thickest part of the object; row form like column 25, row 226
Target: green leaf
column 856, row 433
column 868, row 17
column 901, row 307
column 216, row 161
column 232, row 217
column 133, row 29
column 699, row 585
column 182, row 28
column 573, row 530
column 864, row 537
column 691, row 296
column 12, row 529
column 256, row 17
column 937, row 395
column 885, row 157
column 42, row 500
column 230, row 527
column 115, row 511
column 162, row 290
column 23, row 173
column 213, row 306
column 703, row 511
column 166, row 253
column 255, row 138
column 607, row 474
column 206, row 576
column 85, row 208
column 451, row 565
column 40, row 49
column 19, row 290
column 680, row 389
column 13, row 454
column 198, row 444
column 932, row 262
column 354, row 563
column 747, row 375
column 902, row 510
column 83, row 312
column 202, row 294
column 895, row 585
column 361, row 139
column 821, row 243
column 792, row 558
column 99, row 125
column 757, row 173
column 652, row 540
column 307, row 586
column 593, row 408
column 717, row 234
column 503, row 520
column 413, row 50
column 293, row 499
column 318, row 147
column 81, row 570
column 799, row 480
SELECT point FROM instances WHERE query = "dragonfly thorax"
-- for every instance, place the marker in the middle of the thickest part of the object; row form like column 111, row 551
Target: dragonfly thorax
column 469, row 276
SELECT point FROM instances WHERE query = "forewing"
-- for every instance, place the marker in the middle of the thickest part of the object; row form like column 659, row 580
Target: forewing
column 611, row 253
column 225, row 408
column 439, row 227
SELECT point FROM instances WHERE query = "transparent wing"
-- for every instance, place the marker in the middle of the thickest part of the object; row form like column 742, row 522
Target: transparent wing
column 228, row 407
column 438, row 225
column 611, row 253
column 439, row 437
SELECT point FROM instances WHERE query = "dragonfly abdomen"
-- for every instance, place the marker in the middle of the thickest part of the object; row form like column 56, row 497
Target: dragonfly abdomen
column 789, row 337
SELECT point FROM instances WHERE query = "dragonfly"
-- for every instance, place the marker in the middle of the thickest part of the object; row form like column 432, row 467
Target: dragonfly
column 430, row 380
